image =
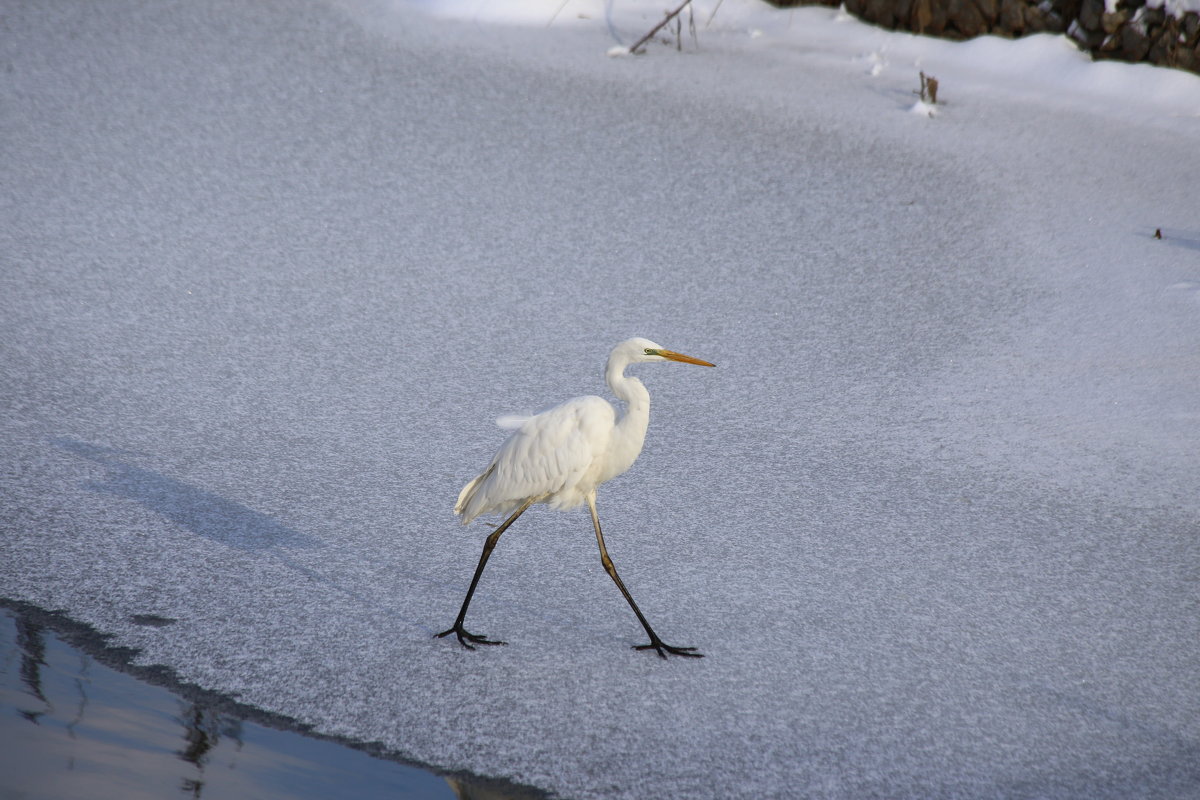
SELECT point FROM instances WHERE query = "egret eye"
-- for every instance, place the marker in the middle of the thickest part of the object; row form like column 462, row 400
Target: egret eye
column 651, row 351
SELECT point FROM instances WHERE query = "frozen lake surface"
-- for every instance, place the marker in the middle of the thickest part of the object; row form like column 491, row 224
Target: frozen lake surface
column 270, row 271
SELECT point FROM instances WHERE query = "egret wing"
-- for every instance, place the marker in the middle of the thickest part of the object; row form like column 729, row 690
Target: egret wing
column 544, row 458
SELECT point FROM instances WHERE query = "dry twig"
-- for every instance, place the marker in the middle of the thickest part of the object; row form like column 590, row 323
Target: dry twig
column 670, row 16
column 929, row 87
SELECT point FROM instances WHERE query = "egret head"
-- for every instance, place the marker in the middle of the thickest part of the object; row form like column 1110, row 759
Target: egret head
column 638, row 350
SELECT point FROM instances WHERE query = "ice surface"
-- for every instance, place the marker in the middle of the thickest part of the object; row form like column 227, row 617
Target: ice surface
column 270, row 274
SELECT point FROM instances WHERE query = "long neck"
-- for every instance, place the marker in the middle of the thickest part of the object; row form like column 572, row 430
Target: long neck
column 630, row 432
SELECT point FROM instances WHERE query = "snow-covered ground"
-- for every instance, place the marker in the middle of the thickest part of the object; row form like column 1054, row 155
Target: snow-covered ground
column 271, row 270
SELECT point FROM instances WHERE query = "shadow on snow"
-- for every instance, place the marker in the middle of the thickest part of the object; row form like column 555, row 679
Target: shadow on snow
column 197, row 510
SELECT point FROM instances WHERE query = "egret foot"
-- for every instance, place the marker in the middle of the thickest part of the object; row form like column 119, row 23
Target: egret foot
column 659, row 645
column 463, row 635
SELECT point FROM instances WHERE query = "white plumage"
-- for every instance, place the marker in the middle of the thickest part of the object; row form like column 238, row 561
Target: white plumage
column 549, row 456
column 560, row 456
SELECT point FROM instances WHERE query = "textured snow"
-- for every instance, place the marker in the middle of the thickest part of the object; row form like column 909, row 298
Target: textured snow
column 271, row 271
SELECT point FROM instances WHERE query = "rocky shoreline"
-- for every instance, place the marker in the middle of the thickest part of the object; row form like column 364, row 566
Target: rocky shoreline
column 1129, row 30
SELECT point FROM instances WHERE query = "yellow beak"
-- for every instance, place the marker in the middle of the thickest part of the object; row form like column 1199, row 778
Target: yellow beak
column 672, row 355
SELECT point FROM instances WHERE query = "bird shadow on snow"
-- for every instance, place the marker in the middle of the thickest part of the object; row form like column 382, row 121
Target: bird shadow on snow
column 199, row 511
column 210, row 515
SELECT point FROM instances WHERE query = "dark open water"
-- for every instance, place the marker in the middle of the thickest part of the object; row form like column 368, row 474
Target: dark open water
column 74, row 724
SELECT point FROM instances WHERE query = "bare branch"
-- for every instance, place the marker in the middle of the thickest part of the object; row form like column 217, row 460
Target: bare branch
column 670, row 16
column 929, row 87
column 714, row 13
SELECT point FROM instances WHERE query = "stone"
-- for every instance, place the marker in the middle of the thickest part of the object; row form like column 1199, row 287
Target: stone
column 990, row 9
column 1191, row 28
column 922, row 15
column 1153, row 18
column 1036, row 20
column 880, row 12
column 1067, row 11
column 1087, row 40
column 1043, row 18
column 1189, row 59
column 1163, row 46
column 1089, row 14
column 937, row 23
column 965, row 16
column 1111, row 23
column 1134, row 43
column 1012, row 18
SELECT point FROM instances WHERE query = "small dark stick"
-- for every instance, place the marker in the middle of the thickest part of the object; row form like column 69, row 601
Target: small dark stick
column 670, row 16
column 929, row 87
column 1158, row 233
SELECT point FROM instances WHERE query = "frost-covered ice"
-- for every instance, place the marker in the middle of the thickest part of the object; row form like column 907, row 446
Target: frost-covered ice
column 270, row 274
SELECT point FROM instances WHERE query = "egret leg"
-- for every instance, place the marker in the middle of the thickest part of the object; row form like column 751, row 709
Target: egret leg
column 656, row 644
column 489, row 545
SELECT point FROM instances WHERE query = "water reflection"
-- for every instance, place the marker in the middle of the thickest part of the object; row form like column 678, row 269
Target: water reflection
column 32, row 647
column 204, row 728
column 74, row 727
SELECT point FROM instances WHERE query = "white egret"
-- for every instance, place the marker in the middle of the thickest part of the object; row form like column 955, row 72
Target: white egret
column 559, row 457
